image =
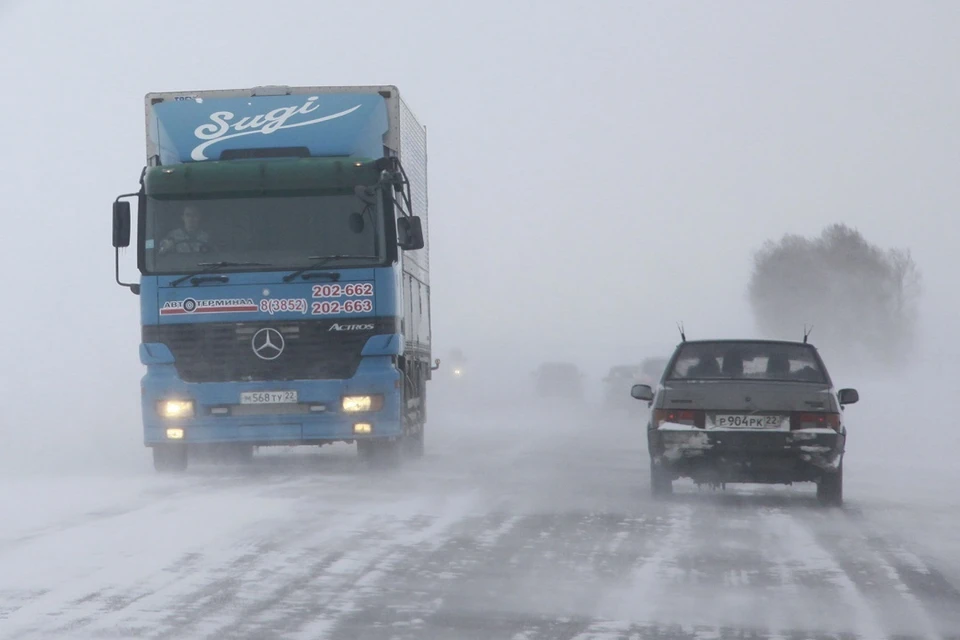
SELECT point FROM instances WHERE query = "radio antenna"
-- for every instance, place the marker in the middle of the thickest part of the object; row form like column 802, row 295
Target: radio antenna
column 806, row 332
column 683, row 336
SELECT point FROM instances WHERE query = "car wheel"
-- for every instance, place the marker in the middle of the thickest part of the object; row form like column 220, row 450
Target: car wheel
column 661, row 484
column 170, row 458
column 830, row 488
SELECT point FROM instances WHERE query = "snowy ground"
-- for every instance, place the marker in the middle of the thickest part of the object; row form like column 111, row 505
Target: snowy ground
column 521, row 523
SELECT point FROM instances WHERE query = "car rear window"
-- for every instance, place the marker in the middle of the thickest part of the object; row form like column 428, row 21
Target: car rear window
column 747, row 361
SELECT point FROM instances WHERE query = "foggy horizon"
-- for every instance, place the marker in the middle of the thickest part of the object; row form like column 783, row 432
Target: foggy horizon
column 598, row 173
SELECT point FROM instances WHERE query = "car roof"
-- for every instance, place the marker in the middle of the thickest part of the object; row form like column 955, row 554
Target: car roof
column 794, row 343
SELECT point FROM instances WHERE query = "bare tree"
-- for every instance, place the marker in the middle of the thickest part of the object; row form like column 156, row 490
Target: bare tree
column 862, row 299
column 905, row 280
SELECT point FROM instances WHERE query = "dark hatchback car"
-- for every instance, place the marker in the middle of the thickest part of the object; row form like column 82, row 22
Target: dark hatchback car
column 618, row 381
column 751, row 411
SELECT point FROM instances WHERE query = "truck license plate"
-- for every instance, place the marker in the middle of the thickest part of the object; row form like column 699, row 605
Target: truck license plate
column 268, row 397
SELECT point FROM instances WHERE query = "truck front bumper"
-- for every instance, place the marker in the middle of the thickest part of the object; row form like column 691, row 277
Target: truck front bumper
column 316, row 417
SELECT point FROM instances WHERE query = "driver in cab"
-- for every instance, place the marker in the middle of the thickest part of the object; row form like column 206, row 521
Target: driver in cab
column 189, row 238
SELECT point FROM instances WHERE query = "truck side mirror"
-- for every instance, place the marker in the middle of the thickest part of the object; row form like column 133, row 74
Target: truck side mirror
column 121, row 224
column 410, row 233
column 121, row 236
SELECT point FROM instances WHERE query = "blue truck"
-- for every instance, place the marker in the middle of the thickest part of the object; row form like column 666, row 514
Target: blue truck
column 284, row 278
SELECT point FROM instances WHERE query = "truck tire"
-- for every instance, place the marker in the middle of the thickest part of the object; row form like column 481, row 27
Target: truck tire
column 239, row 454
column 830, row 488
column 380, row 454
column 661, row 484
column 414, row 443
column 365, row 449
column 170, row 458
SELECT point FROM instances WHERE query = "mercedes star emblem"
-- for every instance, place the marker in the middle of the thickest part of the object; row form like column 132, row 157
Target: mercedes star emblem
column 267, row 344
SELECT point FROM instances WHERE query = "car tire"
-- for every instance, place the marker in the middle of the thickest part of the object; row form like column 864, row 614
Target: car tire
column 170, row 458
column 661, row 484
column 830, row 488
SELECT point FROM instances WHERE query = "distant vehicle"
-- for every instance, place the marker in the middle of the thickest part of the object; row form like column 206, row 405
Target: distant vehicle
column 651, row 370
column 747, row 411
column 618, row 381
column 559, row 379
column 456, row 362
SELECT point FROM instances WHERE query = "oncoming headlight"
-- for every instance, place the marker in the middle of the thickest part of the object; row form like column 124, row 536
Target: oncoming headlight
column 175, row 408
column 355, row 404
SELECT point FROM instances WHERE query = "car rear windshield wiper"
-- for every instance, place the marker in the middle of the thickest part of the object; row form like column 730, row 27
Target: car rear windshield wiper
column 207, row 267
column 322, row 260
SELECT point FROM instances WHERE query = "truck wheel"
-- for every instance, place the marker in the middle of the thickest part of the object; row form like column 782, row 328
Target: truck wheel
column 830, row 488
column 414, row 443
column 380, row 454
column 239, row 454
column 170, row 458
column 661, row 484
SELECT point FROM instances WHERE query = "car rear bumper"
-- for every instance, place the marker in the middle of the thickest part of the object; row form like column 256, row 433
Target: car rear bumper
column 747, row 456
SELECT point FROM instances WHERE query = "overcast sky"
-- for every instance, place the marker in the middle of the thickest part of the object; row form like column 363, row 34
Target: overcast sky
column 598, row 170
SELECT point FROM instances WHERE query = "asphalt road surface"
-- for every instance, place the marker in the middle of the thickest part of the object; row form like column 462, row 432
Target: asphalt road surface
column 521, row 524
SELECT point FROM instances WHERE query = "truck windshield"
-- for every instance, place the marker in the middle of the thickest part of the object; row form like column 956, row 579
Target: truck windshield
column 283, row 231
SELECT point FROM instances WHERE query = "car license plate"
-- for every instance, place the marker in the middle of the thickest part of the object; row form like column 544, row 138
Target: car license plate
column 268, row 397
column 734, row 421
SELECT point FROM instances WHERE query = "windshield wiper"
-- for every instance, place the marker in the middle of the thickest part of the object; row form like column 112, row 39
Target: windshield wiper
column 322, row 260
column 208, row 267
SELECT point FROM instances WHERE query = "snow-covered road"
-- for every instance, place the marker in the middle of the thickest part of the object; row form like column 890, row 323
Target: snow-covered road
column 520, row 525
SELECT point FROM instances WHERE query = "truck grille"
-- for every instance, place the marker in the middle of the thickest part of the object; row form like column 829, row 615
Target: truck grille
column 222, row 352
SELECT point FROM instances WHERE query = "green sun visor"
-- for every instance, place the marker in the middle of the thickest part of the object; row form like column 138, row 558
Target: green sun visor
column 252, row 177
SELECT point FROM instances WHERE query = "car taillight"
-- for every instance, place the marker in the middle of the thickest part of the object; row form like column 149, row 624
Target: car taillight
column 819, row 420
column 679, row 416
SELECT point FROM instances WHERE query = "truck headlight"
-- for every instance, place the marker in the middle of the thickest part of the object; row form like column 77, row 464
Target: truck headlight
column 354, row 404
column 175, row 408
